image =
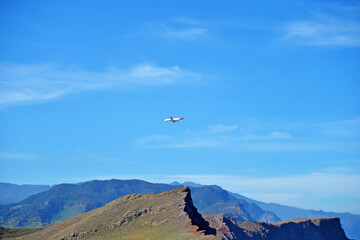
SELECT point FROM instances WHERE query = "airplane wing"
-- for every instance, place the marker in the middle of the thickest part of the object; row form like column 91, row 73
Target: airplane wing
column 171, row 119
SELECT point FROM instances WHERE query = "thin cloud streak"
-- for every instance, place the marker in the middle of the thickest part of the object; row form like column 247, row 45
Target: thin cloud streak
column 279, row 136
column 17, row 156
column 324, row 31
column 186, row 20
column 220, row 128
column 316, row 182
column 186, row 34
column 43, row 82
column 345, row 128
column 233, row 144
column 213, row 138
column 180, row 29
column 155, row 138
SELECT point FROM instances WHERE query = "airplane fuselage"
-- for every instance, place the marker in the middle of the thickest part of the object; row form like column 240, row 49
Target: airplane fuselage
column 171, row 119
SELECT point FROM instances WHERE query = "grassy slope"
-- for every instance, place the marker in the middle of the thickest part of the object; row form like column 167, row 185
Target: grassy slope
column 151, row 216
column 67, row 200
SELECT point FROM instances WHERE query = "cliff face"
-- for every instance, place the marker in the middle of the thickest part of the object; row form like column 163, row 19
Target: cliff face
column 295, row 229
column 196, row 218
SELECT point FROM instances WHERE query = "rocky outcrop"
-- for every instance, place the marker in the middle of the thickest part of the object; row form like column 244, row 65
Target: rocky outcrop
column 196, row 218
column 305, row 228
column 295, row 229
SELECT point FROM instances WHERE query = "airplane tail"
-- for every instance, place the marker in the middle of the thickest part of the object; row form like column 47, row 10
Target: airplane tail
column 182, row 117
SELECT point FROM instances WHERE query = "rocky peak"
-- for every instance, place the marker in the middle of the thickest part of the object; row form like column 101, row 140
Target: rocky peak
column 196, row 218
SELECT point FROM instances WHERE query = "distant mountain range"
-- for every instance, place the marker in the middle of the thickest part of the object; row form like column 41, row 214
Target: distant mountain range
column 12, row 193
column 172, row 215
column 215, row 200
column 64, row 201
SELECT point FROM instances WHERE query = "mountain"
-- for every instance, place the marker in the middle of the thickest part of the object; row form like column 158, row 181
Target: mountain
column 169, row 215
column 172, row 215
column 175, row 183
column 215, row 200
column 189, row 184
column 64, row 201
column 68, row 200
column 12, row 193
column 192, row 184
column 350, row 222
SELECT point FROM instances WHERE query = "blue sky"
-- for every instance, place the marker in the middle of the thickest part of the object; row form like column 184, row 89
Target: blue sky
column 269, row 91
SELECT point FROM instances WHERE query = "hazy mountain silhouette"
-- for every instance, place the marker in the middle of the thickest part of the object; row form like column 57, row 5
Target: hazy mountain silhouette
column 215, row 200
column 12, row 193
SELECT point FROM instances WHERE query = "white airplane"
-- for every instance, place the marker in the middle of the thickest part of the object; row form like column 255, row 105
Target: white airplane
column 171, row 119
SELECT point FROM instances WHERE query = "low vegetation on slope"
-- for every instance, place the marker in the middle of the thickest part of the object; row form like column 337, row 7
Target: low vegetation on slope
column 68, row 200
column 64, row 201
column 170, row 215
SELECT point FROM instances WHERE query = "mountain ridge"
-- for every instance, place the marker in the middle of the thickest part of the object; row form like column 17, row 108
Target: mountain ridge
column 80, row 202
column 173, row 215
column 168, row 215
column 68, row 200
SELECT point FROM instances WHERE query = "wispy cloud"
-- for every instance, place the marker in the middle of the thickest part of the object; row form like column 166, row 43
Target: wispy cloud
column 220, row 128
column 188, row 34
column 17, row 156
column 343, row 128
column 235, row 144
column 321, row 182
column 195, row 143
column 180, row 28
column 254, row 136
column 155, row 138
column 217, row 136
column 44, row 82
column 267, row 136
column 323, row 31
column 186, row 20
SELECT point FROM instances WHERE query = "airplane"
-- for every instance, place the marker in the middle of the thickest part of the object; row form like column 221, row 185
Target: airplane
column 171, row 119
